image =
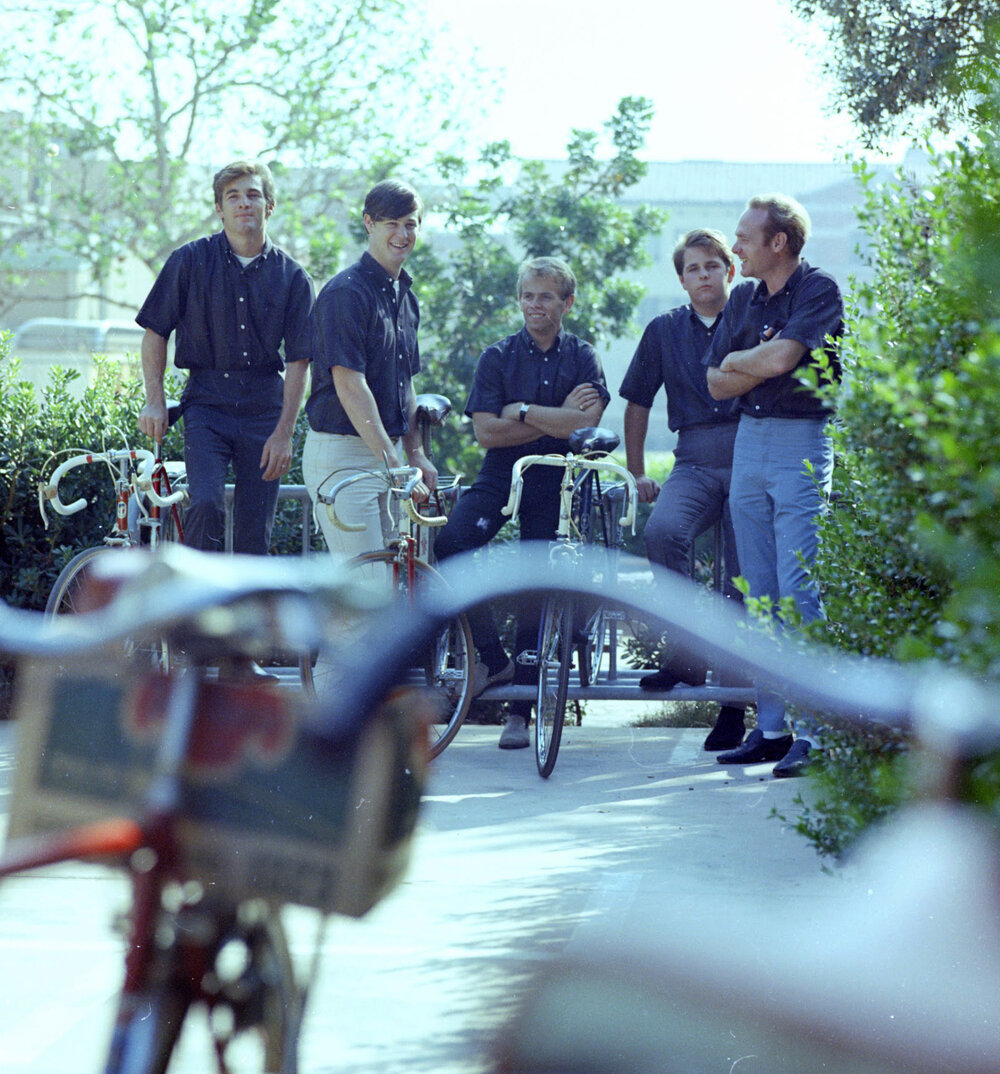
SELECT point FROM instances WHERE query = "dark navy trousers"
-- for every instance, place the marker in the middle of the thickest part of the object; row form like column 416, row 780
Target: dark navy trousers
column 475, row 521
column 215, row 438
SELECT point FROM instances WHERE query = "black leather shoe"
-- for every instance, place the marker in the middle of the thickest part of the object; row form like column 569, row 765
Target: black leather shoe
column 757, row 748
column 795, row 762
column 728, row 731
column 659, row 680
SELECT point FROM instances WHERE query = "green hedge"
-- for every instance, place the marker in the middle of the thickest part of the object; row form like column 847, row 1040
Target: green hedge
column 910, row 560
column 41, row 427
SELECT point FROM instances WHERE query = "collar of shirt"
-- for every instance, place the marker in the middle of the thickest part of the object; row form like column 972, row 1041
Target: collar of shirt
column 528, row 342
column 381, row 278
column 698, row 320
column 264, row 254
column 760, row 294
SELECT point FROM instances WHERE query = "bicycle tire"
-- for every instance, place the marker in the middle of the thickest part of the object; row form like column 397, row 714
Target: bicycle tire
column 554, row 658
column 65, row 593
column 64, row 599
column 447, row 667
column 590, row 650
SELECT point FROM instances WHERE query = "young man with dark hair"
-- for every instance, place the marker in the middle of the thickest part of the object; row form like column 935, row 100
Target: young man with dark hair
column 696, row 494
column 362, row 406
column 531, row 391
column 241, row 311
column 783, row 456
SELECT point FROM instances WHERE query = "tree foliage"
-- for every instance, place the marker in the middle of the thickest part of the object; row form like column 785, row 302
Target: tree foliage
column 909, row 557
column 121, row 163
column 466, row 277
column 902, row 63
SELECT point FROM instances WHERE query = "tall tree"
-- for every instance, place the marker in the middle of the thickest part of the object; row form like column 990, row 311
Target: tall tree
column 901, row 64
column 120, row 110
column 577, row 209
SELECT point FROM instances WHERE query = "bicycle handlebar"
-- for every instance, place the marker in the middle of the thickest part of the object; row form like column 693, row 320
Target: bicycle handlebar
column 570, row 463
column 168, row 592
column 410, row 475
column 50, row 491
column 144, row 484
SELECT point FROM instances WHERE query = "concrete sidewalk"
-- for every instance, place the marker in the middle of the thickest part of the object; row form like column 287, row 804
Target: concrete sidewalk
column 637, row 830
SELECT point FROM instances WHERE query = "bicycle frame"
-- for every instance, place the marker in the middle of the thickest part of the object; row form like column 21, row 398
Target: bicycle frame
column 448, row 665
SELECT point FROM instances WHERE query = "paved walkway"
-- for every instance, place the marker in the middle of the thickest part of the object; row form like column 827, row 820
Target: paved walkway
column 638, row 829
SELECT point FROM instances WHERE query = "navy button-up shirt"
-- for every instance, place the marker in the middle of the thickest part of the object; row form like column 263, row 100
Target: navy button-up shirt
column 807, row 309
column 670, row 354
column 361, row 324
column 515, row 370
column 235, row 327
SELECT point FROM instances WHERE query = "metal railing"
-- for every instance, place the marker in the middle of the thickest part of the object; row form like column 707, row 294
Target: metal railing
column 285, row 492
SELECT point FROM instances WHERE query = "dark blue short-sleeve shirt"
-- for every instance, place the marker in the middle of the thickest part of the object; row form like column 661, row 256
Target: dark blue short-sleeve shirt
column 808, row 309
column 366, row 323
column 235, row 326
column 670, row 355
column 516, row 370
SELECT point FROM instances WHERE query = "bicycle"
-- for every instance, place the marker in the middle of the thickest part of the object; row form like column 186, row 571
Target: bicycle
column 582, row 517
column 447, row 664
column 223, row 801
column 138, row 475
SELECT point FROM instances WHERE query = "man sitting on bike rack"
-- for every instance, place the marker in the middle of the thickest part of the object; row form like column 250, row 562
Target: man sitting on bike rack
column 696, row 494
column 530, row 392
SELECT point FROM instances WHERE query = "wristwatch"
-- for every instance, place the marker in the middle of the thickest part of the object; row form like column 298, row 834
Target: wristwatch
column 523, row 412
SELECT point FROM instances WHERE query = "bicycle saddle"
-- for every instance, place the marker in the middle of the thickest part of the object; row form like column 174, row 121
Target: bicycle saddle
column 585, row 441
column 434, row 408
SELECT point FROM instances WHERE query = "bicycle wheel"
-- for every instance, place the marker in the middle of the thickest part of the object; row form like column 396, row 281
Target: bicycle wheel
column 65, row 599
column 591, row 644
column 446, row 666
column 554, row 658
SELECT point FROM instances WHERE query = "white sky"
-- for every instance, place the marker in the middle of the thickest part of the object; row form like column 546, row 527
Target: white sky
column 758, row 98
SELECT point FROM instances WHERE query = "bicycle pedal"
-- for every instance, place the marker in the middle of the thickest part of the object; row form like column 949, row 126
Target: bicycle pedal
column 528, row 658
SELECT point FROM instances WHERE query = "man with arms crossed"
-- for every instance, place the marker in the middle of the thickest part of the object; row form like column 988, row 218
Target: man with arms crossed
column 531, row 391
column 362, row 407
column 783, row 457
column 696, row 494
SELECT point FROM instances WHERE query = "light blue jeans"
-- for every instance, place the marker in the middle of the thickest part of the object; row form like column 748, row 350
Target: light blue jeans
column 775, row 502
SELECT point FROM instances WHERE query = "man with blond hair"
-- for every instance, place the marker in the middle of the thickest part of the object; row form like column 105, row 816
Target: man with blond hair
column 530, row 392
column 783, row 456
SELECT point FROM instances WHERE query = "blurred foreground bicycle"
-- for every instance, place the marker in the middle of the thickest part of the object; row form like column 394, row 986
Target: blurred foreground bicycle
column 222, row 800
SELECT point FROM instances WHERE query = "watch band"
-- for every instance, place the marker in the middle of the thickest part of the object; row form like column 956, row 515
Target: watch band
column 523, row 413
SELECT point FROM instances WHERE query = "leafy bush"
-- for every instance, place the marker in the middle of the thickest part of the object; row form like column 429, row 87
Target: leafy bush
column 910, row 559
column 37, row 427
column 40, row 428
